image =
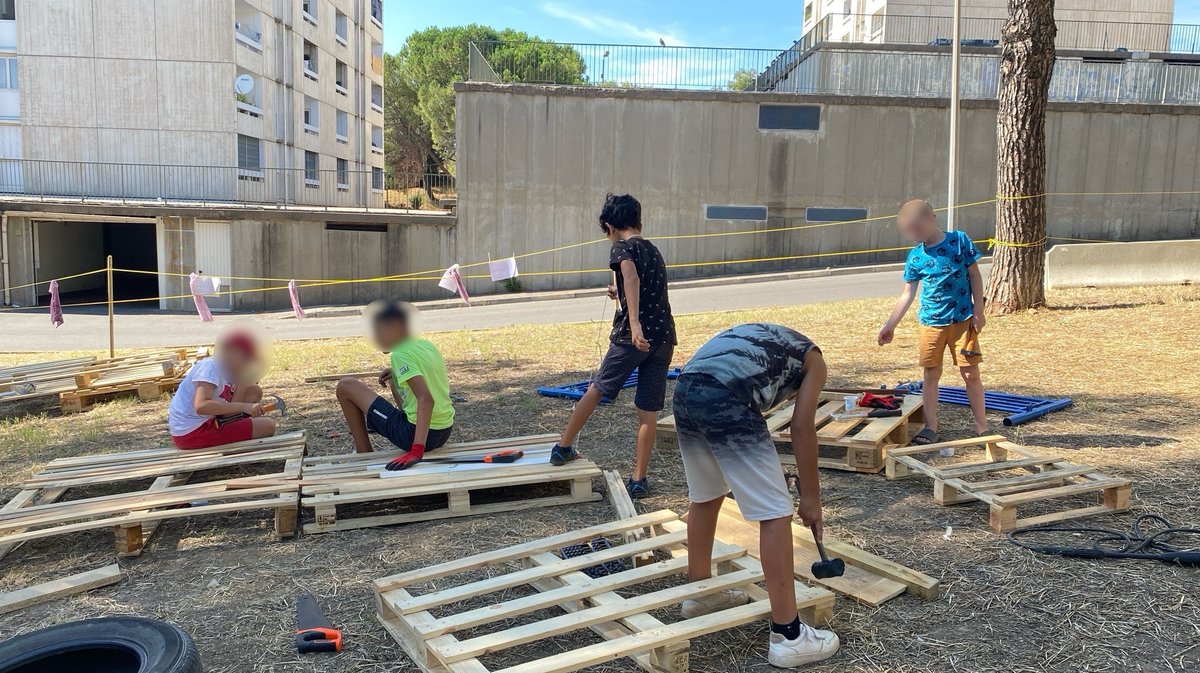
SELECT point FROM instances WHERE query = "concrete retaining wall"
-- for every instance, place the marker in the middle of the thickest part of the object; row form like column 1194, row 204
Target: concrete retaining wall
column 535, row 162
column 1123, row 264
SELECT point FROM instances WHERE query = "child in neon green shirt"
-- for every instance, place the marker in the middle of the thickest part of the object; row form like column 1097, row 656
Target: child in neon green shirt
column 419, row 383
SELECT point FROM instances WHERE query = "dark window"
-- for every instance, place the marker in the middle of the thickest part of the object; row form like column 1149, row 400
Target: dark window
column 377, row 10
column 789, row 117
column 377, row 179
column 312, row 167
column 344, row 226
column 751, row 213
column 8, row 9
column 249, row 153
column 343, row 172
column 835, row 214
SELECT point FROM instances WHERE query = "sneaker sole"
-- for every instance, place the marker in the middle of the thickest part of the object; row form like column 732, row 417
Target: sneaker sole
column 560, row 462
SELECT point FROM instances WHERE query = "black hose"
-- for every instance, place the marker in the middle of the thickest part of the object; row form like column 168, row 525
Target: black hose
column 1115, row 544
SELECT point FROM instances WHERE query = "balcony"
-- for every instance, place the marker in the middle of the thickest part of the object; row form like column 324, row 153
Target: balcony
column 311, row 63
column 377, row 97
column 247, row 26
column 341, row 29
column 309, row 11
column 377, row 13
column 341, row 78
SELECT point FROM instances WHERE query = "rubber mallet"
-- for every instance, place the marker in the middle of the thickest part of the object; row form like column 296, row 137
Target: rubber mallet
column 826, row 567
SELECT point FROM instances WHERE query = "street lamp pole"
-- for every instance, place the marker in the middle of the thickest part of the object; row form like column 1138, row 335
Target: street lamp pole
column 955, row 102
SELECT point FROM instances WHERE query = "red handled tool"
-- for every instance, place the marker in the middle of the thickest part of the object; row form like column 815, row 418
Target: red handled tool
column 314, row 633
column 506, row 456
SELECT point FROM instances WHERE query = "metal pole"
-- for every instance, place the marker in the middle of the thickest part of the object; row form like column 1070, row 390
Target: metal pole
column 952, row 169
column 112, row 344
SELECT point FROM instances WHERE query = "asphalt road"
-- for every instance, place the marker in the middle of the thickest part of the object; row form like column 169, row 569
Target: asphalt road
column 31, row 330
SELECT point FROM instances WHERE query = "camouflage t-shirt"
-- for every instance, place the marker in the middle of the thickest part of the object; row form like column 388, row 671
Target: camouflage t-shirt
column 761, row 363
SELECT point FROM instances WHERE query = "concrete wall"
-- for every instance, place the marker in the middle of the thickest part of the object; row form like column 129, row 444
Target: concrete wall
column 534, row 164
column 1123, row 264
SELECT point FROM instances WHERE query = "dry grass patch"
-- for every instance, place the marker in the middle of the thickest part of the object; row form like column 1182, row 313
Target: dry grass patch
column 1127, row 357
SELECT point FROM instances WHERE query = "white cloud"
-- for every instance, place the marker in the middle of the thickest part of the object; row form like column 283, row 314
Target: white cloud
column 614, row 29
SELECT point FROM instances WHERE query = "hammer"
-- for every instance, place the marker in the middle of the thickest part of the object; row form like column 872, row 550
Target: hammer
column 278, row 405
column 826, row 567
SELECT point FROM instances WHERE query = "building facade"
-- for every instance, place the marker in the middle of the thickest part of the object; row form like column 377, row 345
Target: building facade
column 258, row 101
column 1141, row 25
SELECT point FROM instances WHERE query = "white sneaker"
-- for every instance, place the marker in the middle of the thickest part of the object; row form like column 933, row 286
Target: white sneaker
column 810, row 646
column 722, row 600
column 946, row 453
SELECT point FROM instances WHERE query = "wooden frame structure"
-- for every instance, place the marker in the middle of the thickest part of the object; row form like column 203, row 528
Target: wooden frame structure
column 863, row 442
column 37, row 511
column 79, row 382
column 1008, row 477
column 333, row 482
column 441, row 639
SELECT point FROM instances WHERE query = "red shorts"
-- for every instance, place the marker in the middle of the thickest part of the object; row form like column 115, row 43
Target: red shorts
column 210, row 434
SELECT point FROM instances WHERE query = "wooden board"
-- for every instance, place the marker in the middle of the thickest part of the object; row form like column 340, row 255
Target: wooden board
column 37, row 511
column 347, row 375
column 1008, row 477
column 83, row 380
column 332, row 483
column 67, row 586
column 858, row 583
column 454, row 641
column 618, row 495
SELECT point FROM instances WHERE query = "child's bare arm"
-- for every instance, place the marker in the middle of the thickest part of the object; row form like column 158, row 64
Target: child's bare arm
column 804, row 440
column 424, row 408
column 633, row 300
column 976, row 278
column 207, row 403
column 903, row 303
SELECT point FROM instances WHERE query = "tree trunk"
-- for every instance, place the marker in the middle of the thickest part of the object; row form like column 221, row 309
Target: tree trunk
column 1026, row 65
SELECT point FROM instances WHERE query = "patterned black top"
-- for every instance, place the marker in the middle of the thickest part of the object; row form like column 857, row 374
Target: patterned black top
column 654, row 309
column 761, row 363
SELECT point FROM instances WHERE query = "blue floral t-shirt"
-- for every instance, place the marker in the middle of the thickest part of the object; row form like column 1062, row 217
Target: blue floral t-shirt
column 942, row 271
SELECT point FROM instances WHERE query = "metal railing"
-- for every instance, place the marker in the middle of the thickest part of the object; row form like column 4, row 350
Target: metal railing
column 625, row 65
column 154, row 184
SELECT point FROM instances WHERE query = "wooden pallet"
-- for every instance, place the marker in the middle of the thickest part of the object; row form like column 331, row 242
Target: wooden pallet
column 1009, row 477
column 861, row 443
column 443, row 636
column 334, row 482
column 869, row 579
column 38, row 511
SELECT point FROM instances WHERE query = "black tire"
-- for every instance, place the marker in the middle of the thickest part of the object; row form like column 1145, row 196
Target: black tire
column 106, row 645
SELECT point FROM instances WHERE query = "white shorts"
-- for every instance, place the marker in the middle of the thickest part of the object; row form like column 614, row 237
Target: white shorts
column 725, row 445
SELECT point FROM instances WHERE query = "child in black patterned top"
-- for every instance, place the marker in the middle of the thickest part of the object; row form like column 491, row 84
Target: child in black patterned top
column 642, row 338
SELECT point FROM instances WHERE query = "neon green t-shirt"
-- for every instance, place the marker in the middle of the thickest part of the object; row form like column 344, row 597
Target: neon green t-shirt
column 418, row 357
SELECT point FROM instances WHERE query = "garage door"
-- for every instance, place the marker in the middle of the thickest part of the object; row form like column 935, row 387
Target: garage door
column 214, row 257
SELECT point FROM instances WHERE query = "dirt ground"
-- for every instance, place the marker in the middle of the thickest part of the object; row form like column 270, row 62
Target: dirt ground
column 1128, row 358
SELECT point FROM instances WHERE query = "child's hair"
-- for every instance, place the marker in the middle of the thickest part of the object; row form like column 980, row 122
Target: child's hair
column 389, row 311
column 621, row 212
column 922, row 205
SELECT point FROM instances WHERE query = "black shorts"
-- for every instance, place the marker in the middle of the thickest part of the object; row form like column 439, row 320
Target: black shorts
column 652, row 367
column 383, row 417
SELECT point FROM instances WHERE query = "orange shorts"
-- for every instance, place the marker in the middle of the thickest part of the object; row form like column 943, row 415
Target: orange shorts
column 960, row 337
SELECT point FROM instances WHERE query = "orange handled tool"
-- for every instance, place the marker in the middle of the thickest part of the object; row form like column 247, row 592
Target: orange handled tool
column 314, row 633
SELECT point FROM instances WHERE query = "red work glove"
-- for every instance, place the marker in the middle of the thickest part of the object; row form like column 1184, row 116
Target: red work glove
column 870, row 401
column 414, row 456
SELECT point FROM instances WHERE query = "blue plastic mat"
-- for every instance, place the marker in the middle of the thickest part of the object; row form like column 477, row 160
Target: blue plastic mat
column 1022, row 407
column 575, row 391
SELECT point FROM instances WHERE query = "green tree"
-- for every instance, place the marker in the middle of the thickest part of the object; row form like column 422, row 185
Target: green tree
column 743, row 80
column 434, row 59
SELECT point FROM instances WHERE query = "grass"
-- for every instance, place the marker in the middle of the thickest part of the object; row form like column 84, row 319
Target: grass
column 1127, row 357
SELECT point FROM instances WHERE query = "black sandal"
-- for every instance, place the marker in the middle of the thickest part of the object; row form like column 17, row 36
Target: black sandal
column 925, row 436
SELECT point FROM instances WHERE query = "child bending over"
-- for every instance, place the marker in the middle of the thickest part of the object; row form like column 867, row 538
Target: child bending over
column 204, row 410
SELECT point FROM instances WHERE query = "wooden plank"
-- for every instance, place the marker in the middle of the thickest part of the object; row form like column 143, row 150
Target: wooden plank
column 455, row 567
column 918, row 583
column 644, row 641
column 439, row 479
column 288, row 440
column 1026, row 480
column 527, row 575
column 347, row 375
column 1059, row 492
column 119, row 473
column 927, row 448
column 452, row 650
column 445, row 513
column 999, row 466
column 147, row 531
column 857, row 583
column 618, row 495
column 67, row 586
column 25, row 499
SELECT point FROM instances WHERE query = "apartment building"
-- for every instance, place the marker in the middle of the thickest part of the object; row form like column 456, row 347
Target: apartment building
column 1084, row 24
column 270, row 101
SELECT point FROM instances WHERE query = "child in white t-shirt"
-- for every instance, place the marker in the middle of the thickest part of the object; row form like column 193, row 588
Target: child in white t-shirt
column 216, row 388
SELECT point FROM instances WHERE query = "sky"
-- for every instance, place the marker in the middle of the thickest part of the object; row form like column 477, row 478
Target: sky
column 763, row 24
